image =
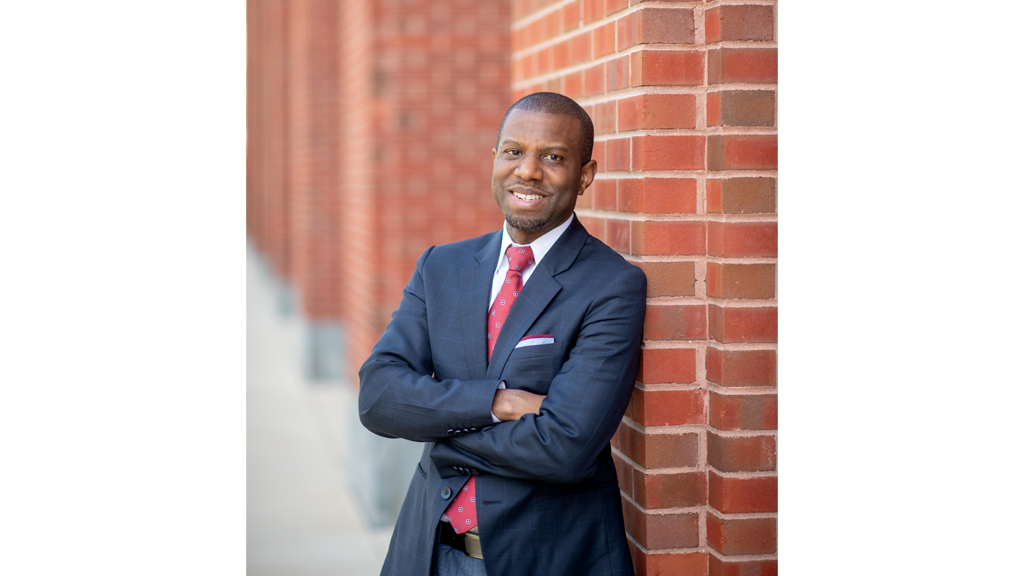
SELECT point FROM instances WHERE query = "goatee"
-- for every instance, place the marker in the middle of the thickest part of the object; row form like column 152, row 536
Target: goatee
column 525, row 224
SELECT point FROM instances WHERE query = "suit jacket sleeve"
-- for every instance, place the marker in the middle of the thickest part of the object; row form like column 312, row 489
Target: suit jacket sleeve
column 399, row 397
column 584, row 405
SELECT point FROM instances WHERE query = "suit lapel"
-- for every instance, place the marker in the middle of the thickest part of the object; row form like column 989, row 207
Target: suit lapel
column 536, row 295
column 476, row 290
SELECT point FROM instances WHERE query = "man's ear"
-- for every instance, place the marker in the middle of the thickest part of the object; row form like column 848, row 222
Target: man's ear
column 494, row 154
column 587, row 175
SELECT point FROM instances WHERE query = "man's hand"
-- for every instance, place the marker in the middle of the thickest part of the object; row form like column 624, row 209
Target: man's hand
column 511, row 405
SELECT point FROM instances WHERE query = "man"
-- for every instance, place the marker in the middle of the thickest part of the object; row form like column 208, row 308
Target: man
column 513, row 356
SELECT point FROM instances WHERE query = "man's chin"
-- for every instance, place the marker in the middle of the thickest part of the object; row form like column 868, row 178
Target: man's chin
column 525, row 224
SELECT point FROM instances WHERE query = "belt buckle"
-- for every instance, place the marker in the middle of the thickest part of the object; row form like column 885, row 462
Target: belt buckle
column 473, row 548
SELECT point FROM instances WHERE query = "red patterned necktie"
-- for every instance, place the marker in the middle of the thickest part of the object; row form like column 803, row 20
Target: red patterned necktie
column 462, row 510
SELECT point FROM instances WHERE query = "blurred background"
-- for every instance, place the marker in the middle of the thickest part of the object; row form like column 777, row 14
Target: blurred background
column 370, row 125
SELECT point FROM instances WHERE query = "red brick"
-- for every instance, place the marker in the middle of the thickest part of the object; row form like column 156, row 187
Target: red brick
column 678, row 450
column 743, row 108
column 596, row 227
column 554, row 24
column 581, row 47
column 674, row 238
column 714, row 109
column 729, row 325
column 752, row 65
column 571, row 16
column 712, row 25
column 573, row 85
column 669, row 278
column 545, row 62
column 604, row 40
column 593, row 80
column 666, row 68
column 668, row 490
column 668, row 365
column 743, row 495
column 732, row 239
column 741, row 367
column 743, row 152
column 665, row 25
column 668, row 407
column 741, row 280
column 740, row 195
column 658, row 195
column 630, row 113
column 657, row 111
column 618, row 235
column 661, row 531
column 733, row 536
column 604, row 196
column 653, row 564
column 718, row 567
column 562, row 55
column 668, row 152
column 741, row 453
column 604, row 116
column 617, row 73
column 592, row 10
column 599, row 154
column 713, row 195
column 613, row 6
column 675, row 322
column 628, row 28
column 586, row 200
column 743, row 411
column 739, row 23
column 619, row 153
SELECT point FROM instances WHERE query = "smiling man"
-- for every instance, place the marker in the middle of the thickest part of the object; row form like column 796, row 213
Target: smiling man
column 513, row 356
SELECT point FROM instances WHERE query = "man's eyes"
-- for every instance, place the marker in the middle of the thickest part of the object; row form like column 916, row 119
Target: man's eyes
column 551, row 157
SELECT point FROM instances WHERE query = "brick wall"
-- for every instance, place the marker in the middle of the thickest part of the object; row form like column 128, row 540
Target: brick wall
column 683, row 98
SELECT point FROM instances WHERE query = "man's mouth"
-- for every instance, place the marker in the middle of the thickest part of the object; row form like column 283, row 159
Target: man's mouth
column 526, row 195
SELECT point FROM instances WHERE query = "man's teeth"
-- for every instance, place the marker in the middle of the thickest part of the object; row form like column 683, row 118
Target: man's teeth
column 526, row 196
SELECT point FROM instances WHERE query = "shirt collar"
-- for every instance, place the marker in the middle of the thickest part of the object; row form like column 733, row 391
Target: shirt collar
column 540, row 246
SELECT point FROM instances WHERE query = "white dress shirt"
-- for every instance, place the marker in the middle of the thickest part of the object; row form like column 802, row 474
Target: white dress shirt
column 540, row 248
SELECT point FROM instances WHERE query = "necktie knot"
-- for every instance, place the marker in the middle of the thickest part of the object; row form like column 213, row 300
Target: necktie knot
column 519, row 258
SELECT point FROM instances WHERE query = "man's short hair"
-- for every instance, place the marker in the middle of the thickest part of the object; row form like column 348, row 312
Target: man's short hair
column 552, row 103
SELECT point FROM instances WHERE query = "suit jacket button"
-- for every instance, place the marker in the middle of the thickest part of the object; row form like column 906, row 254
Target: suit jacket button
column 457, row 432
column 474, row 472
column 451, row 431
column 446, row 493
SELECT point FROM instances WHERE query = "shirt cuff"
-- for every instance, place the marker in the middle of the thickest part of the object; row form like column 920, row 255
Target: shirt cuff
column 501, row 386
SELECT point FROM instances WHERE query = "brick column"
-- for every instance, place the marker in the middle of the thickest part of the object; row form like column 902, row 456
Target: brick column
column 314, row 122
column 741, row 273
column 696, row 449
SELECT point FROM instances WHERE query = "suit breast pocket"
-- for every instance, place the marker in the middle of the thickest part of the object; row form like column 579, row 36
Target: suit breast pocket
column 532, row 368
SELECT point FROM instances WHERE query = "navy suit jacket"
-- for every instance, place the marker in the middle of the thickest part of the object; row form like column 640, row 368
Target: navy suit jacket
column 547, row 494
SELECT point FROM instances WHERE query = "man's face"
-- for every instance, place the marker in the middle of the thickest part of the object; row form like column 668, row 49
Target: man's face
column 537, row 174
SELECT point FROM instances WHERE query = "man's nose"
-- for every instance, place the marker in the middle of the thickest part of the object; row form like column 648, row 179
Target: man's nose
column 528, row 168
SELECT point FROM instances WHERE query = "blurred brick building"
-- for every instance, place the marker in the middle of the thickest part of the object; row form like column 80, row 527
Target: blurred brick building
column 370, row 126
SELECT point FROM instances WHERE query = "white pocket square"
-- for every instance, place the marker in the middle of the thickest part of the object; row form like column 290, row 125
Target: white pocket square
column 536, row 340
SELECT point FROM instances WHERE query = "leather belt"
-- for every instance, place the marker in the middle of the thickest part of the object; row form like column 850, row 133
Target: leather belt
column 467, row 542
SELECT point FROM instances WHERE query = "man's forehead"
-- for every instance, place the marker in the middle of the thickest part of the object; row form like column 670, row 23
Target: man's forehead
column 561, row 127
